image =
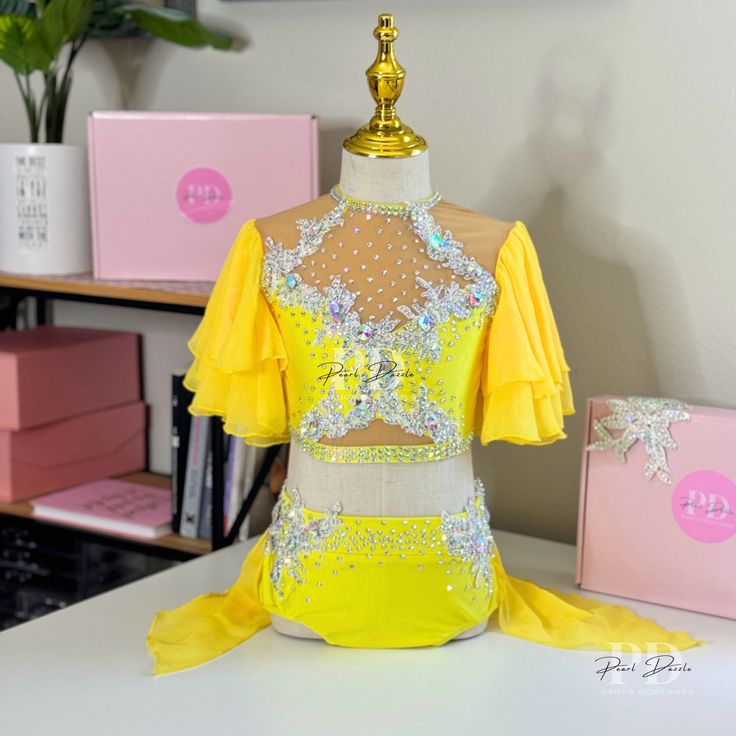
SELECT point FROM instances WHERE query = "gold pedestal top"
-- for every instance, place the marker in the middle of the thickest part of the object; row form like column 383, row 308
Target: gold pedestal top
column 385, row 135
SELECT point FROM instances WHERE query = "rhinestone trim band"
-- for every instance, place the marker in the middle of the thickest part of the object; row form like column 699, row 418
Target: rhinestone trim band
column 382, row 208
column 382, row 453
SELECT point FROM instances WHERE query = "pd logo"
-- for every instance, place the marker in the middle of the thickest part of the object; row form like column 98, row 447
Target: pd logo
column 704, row 505
column 204, row 195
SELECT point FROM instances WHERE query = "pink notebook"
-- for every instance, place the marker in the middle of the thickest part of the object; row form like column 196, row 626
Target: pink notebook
column 129, row 509
column 170, row 190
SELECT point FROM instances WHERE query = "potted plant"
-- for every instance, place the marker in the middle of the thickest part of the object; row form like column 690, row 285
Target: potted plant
column 44, row 199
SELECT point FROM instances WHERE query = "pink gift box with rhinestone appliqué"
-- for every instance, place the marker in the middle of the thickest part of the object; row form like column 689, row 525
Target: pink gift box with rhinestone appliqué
column 170, row 190
column 668, row 543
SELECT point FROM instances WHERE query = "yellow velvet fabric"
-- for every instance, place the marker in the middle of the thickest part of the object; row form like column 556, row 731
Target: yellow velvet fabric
column 212, row 624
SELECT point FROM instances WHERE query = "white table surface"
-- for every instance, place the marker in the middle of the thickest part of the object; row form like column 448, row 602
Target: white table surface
column 86, row 670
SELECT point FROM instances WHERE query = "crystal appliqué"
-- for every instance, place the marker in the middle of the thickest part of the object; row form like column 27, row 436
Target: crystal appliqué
column 642, row 418
column 290, row 534
column 334, row 304
column 376, row 341
column 470, row 537
column 422, row 418
column 296, row 530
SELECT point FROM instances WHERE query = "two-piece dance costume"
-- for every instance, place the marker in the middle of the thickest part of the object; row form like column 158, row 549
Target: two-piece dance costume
column 286, row 353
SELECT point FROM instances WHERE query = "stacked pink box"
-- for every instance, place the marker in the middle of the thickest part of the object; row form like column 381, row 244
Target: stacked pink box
column 657, row 517
column 70, row 408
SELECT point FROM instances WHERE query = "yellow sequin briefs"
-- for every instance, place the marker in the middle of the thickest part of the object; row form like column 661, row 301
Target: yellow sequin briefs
column 319, row 564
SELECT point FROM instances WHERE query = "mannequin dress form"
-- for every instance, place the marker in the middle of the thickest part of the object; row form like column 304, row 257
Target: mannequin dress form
column 381, row 536
column 410, row 489
column 407, row 489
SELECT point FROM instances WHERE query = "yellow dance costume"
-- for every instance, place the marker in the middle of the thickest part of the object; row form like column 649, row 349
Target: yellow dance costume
column 282, row 358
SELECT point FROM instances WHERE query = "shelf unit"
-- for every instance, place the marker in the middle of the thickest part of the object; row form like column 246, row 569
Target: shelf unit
column 170, row 296
column 189, row 297
column 182, row 547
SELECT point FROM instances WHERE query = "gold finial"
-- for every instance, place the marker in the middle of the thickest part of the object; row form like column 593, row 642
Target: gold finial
column 385, row 135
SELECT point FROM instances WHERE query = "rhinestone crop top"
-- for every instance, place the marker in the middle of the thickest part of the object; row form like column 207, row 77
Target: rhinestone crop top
column 305, row 341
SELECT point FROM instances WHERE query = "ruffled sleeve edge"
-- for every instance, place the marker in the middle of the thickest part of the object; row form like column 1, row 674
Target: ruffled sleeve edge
column 526, row 378
column 239, row 355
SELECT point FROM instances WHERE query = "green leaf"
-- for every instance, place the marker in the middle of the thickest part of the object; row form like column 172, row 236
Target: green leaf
column 14, row 32
column 176, row 26
column 17, row 7
column 63, row 21
column 107, row 15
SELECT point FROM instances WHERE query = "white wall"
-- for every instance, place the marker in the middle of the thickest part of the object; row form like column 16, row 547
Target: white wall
column 606, row 126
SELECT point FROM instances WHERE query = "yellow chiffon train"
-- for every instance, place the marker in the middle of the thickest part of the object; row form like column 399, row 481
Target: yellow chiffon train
column 212, row 624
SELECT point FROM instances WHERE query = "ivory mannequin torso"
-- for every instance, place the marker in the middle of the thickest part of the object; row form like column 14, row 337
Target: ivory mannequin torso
column 390, row 489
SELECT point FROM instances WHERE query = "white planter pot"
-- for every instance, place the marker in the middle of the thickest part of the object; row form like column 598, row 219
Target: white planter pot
column 44, row 209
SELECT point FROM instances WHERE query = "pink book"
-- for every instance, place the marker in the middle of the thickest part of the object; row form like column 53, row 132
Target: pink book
column 129, row 509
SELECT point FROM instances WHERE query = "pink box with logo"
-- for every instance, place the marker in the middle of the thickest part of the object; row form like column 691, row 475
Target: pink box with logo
column 170, row 190
column 659, row 526
column 51, row 372
column 74, row 450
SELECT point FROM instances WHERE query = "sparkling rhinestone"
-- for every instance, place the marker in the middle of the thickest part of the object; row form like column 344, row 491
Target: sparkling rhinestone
column 335, row 312
column 425, row 321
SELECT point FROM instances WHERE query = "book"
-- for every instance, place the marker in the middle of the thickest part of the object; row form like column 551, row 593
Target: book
column 234, row 480
column 181, row 421
column 198, row 445
column 204, row 529
column 111, row 505
column 204, row 526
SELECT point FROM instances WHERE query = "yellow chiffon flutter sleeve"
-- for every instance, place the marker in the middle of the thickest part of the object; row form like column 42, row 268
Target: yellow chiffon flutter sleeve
column 525, row 380
column 239, row 353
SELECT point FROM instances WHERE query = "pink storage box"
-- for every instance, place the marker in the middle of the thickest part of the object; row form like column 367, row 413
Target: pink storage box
column 667, row 543
column 171, row 190
column 75, row 450
column 49, row 372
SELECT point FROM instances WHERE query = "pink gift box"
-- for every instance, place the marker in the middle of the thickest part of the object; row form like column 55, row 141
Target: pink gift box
column 171, row 190
column 672, row 543
column 50, row 372
column 85, row 447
